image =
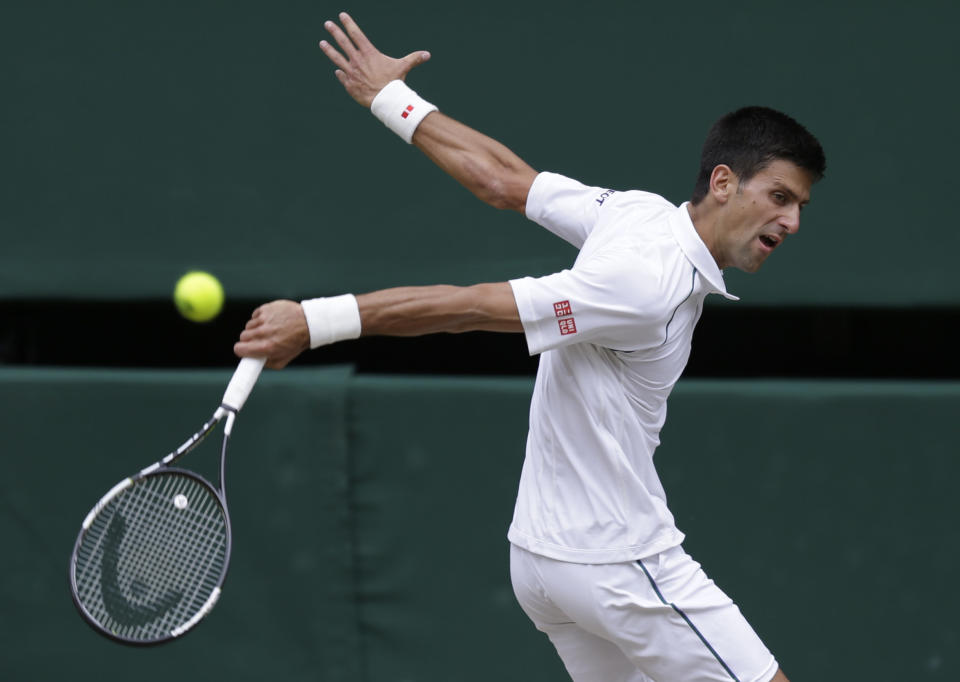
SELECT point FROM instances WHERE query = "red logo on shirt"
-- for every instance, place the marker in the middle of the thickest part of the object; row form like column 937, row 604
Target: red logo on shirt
column 406, row 112
column 567, row 324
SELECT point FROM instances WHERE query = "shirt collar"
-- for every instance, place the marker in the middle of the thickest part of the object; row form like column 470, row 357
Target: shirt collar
column 698, row 253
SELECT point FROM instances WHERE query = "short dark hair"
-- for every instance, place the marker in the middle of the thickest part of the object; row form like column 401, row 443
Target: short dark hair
column 748, row 139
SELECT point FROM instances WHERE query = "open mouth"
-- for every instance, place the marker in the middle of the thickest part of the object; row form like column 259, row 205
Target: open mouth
column 769, row 241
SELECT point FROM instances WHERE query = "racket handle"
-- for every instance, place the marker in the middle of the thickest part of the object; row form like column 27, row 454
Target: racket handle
column 248, row 371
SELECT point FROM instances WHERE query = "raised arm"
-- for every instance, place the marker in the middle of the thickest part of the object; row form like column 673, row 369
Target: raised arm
column 279, row 330
column 487, row 168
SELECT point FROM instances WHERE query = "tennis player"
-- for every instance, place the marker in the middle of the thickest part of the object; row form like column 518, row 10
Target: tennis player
column 596, row 558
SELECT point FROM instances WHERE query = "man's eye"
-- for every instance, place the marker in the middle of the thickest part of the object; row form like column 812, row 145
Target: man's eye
column 780, row 197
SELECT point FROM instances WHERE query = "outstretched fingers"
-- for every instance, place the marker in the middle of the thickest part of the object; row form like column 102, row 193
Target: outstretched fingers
column 341, row 38
column 334, row 55
column 360, row 67
column 356, row 35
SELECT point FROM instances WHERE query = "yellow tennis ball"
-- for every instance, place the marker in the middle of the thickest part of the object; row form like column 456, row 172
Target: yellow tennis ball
column 198, row 296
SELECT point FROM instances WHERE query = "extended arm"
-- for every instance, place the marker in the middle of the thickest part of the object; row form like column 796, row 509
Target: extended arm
column 484, row 166
column 278, row 330
column 414, row 311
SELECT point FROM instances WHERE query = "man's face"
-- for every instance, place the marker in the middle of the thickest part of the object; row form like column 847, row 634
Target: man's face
column 760, row 213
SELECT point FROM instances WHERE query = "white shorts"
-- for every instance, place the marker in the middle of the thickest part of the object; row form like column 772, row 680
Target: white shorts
column 660, row 618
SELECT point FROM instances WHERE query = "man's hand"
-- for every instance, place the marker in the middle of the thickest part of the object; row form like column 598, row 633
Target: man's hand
column 277, row 331
column 487, row 168
column 361, row 68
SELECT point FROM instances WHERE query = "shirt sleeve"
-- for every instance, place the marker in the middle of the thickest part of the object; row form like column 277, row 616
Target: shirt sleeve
column 566, row 207
column 612, row 300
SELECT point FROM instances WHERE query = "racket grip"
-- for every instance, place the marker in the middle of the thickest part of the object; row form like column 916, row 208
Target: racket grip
column 242, row 382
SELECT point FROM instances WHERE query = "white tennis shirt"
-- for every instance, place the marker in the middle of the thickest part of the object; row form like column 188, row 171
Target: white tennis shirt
column 614, row 333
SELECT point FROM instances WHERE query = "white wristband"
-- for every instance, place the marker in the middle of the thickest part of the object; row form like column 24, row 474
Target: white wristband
column 331, row 319
column 400, row 109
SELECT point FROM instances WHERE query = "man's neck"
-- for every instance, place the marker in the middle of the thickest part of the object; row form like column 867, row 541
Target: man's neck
column 705, row 223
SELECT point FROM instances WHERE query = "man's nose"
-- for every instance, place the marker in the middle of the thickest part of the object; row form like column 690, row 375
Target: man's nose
column 790, row 220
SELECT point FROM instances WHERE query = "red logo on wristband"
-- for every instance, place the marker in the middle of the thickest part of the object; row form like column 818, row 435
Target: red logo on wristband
column 406, row 112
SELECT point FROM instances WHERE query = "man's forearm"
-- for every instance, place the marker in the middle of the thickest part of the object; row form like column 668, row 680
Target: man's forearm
column 414, row 311
column 281, row 330
column 484, row 166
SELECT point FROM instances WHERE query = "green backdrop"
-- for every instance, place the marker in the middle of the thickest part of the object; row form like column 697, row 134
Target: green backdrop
column 143, row 139
column 370, row 516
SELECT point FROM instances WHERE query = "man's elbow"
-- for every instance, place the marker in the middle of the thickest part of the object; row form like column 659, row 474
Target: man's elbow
column 505, row 192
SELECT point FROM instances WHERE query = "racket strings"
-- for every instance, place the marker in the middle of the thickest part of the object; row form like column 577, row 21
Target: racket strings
column 187, row 547
column 191, row 538
column 140, row 583
column 152, row 557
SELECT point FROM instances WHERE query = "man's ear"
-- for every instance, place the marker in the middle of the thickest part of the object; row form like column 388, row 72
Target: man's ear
column 723, row 183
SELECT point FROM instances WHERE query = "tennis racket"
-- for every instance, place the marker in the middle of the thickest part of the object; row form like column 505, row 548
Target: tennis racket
column 152, row 554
